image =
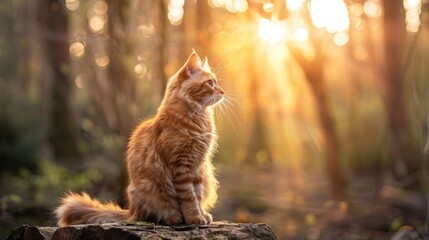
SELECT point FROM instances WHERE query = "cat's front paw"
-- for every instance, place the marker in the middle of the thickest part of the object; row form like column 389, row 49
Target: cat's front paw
column 208, row 217
column 197, row 219
column 174, row 219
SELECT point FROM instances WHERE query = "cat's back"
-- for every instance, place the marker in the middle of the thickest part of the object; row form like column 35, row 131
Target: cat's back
column 140, row 140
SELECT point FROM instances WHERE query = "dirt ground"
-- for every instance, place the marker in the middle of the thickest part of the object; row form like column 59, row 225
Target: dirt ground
column 298, row 206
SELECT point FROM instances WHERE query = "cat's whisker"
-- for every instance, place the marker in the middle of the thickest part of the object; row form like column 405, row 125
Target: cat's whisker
column 229, row 101
column 206, row 102
column 200, row 107
column 235, row 95
column 226, row 113
column 223, row 106
column 228, row 107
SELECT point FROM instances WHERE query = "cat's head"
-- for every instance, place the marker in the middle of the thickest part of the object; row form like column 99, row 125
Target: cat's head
column 196, row 84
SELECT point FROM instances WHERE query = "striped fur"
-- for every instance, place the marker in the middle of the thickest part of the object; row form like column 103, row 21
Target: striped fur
column 171, row 179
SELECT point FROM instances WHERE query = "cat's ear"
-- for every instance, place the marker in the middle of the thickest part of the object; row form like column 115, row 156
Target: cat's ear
column 194, row 64
column 206, row 65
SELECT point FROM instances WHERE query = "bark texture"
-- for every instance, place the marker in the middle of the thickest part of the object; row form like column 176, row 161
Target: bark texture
column 143, row 230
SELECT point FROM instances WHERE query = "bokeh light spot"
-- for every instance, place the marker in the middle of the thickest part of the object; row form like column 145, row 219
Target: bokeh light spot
column 175, row 12
column 77, row 49
column 341, row 38
column 100, row 7
column 96, row 24
column 102, row 60
column 330, row 14
column 80, row 81
column 241, row 5
column 72, row 5
column 271, row 31
column 294, row 5
column 141, row 70
column 371, row 8
column 301, row 34
column 217, row 3
column 146, row 29
column 268, row 7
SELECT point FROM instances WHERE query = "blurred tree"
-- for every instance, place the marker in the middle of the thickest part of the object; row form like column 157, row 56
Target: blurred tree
column 313, row 70
column 120, row 53
column 258, row 147
column 161, row 38
column 403, row 150
column 10, row 39
column 258, row 150
column 18, row 114
column 63, row 133
column 203, row 22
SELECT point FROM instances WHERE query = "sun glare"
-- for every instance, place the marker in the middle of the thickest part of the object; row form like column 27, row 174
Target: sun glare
column 330, row 14
column 301, row 34
column 271, row 31
column 294, row 5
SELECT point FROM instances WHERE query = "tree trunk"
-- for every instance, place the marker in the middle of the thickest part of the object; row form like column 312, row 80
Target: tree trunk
column 313, row 70
column 403, row 151
column 333, row 164
column 119, row 52
column 258, row 149
column 63, row 133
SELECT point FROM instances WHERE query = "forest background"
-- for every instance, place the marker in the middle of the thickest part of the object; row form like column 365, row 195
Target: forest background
column 324, row 133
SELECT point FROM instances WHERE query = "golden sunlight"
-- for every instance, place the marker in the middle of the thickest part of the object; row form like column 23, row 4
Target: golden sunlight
column 240, row 5
column 234, row 6
column 268, row 7
column 330, row 14
column 294, row 5
column 271, row 31
column 301, row 34
column 217, row 3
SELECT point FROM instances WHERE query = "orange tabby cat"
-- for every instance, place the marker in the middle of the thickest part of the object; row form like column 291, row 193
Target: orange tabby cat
column 171, row 178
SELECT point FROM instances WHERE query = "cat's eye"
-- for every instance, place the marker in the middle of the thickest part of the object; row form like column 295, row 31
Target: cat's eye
column 210, row 82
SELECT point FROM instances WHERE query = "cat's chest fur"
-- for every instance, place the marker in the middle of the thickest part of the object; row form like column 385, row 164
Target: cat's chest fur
column 187, row 139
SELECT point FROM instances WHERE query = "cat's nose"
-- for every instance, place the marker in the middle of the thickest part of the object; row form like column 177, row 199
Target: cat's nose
column 220, row 90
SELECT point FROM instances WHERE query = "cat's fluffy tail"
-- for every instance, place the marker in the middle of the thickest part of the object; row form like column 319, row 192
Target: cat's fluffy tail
column 81, row 209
